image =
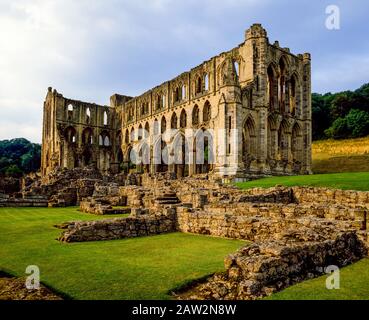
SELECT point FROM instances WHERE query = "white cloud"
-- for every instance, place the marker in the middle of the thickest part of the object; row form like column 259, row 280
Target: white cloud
column 90, row 49
column 67, row 43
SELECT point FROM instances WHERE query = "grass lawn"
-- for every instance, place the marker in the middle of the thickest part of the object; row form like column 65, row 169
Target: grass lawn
column 345, row 181
column 141, row 268
column 354, row 285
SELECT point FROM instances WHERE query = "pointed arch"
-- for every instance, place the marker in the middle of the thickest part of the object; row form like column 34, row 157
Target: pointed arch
column 88, row 115
column 160, row 155
column 163, row 125
column 87, row 136
column 206, row 82
column 144, row 157
column 156, row 127
column 126, row 137
column 272, row 86
column 295, row 95
column 105, row 116
column 147, row 131
column 140, row 132
column 195, row 115
column 198, row 85
column 180, row 152
column 206, row 117
column 183, row 119
column 174, row 121
column 249, row 142
column 203, row 147
column 184, row 95
column 70, row 135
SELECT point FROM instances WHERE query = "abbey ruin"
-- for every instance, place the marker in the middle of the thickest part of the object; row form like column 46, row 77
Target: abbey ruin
column 243, row 113
column 159, row 162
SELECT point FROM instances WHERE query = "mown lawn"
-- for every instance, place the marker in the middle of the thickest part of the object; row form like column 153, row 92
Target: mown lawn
column 141, row 268
column 345, row 181
column 354, row 285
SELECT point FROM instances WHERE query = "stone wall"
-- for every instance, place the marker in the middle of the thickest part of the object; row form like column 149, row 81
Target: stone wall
column 114, row 229
column 310, row 195
column 95, row 207
column 295, row 231
column 262, row 269
column 261, row 228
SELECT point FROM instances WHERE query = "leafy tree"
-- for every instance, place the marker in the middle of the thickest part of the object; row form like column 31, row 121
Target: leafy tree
column 13, row 171
column 358, row 123
column 339, row 129
column 18, row 156
column 332, row 117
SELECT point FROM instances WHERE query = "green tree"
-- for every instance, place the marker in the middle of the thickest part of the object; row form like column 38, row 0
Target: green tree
column 338, row 130
column 13, row 171
column 358, row 123
column 20, row 154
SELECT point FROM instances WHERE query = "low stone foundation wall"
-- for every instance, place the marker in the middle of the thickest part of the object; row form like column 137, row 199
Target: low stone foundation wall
column 262, row 269
column 326, row 196
column 114, row 229
column 6, row 201
column 295, row 231
column 98, row 208
column 261, row 228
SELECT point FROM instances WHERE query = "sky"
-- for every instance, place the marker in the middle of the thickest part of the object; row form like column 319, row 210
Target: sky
column 91, row 49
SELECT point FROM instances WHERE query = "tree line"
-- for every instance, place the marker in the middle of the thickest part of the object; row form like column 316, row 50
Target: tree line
column 341, row 115
column 18, row 157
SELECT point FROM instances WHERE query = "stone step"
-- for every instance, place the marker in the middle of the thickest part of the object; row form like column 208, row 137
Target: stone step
column 173, row 201
column 166, row 198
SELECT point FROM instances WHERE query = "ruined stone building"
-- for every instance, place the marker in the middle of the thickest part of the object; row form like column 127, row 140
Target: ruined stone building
column 250, row 107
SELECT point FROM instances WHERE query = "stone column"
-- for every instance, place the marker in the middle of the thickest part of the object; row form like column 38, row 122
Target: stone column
column 263, row 141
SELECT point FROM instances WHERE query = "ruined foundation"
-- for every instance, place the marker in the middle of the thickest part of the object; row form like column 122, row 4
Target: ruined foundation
column 293, row 234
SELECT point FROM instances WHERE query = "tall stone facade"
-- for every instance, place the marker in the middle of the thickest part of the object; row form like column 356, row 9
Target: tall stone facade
column 245, row 112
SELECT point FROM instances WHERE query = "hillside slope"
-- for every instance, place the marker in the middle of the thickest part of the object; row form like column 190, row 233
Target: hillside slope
column 332, row 156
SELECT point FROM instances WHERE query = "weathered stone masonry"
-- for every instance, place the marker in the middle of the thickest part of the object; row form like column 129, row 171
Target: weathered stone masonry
column 259, row 90
column 296, row 232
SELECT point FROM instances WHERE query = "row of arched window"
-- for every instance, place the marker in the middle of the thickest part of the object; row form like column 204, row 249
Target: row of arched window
column 174, row 124
column 283, row 92
column 70, row 136
column 70, row 116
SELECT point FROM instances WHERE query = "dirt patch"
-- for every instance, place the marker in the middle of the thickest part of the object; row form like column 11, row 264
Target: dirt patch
column 15, row 289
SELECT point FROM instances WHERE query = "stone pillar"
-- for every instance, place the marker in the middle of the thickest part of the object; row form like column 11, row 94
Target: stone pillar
column 263, row 141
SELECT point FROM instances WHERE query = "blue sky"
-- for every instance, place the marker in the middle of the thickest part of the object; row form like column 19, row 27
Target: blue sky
column 90, row 49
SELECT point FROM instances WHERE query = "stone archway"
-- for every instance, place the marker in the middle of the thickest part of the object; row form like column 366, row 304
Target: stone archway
column 180, row 151
column 203, row 148
column 249, row 142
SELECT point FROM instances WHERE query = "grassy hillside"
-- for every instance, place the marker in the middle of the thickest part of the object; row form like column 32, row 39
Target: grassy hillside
column 345, row 181
column 332, row 156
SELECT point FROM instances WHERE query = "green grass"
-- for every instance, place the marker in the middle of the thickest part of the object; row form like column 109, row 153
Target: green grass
column 354, row 282
column 141, row 268
column 345, row 181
